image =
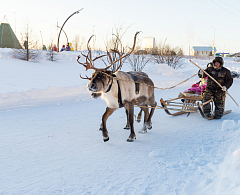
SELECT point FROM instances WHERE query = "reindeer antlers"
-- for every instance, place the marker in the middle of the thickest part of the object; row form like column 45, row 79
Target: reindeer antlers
column 89, row 62
column 123, row 56
column 85, row 77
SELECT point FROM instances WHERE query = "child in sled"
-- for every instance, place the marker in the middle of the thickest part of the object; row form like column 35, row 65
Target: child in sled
column 199, row 87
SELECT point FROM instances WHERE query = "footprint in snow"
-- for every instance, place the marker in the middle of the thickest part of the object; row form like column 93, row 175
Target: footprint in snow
column 154, row 154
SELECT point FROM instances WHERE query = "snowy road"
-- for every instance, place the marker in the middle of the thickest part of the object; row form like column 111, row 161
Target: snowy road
column 57, row 149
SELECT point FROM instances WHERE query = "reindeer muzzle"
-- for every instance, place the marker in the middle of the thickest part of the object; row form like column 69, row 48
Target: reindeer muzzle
column 92, row 87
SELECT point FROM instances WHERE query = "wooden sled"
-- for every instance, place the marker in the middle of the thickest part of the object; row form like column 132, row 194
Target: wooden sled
column 187, row 103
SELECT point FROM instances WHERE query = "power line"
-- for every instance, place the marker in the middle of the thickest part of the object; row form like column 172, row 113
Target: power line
column 225, row 9
column 230, row 6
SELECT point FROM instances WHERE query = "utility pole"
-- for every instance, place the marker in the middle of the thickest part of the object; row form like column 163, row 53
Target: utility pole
column 94, row 38
column 15, row 23
column 214, row 42
column 57, row 29
column 42, row 38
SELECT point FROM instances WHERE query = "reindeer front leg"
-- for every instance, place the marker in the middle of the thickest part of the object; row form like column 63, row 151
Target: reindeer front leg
column 130, row 108
column 105, row 116
column 128, row 124
column 138, row 118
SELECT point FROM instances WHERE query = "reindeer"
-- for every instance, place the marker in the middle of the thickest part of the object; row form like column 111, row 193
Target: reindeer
column 117, row 88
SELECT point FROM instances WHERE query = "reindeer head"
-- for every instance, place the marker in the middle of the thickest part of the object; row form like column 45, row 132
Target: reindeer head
column 102, row 78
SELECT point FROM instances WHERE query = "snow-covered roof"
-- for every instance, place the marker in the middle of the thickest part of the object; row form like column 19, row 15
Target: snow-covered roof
column 203, row 48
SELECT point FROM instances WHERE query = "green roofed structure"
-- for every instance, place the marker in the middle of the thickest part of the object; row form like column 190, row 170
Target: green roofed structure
column 7, row 37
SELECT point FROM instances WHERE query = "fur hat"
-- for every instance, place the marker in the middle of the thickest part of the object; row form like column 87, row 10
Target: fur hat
column 218, row 59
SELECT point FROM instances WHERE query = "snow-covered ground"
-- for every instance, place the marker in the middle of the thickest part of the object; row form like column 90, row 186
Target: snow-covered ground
column 50, row 143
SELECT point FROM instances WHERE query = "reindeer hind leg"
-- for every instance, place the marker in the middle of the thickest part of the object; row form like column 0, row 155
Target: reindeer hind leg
column 146, row 115
column 127, row 127
column 149, row 120
column 139, row 116
column 130, row 108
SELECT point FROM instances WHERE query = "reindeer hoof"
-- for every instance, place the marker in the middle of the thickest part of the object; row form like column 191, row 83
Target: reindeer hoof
column 127, row 128
column 143, row 131
column 139, row 119
column 149, row 126
column 101, row 127
column 105, row 139
column 131, row 139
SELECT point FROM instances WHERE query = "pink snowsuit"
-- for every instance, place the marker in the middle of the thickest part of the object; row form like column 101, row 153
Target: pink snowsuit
column 198, row 88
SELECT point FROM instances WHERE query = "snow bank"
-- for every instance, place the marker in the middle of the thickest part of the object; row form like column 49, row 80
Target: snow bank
column 165, row 70
column 5, row 53
column 236, row 159
column 51, row 94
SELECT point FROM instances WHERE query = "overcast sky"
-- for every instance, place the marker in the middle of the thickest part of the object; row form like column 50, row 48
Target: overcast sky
column 183, row 23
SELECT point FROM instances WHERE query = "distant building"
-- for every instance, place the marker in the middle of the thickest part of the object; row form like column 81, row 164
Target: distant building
column 222, row 54
column 141, row 52
column 202, row 51
column 148, row 43
column 235, row 55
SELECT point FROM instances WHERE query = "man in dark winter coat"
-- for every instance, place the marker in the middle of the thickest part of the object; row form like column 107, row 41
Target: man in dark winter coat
column 213, row 90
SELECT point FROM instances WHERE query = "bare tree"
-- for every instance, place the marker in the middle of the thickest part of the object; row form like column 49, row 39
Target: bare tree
column 51, row 55
column 158, row 53
column 76, row 43
column 82, row 43
column 138, row 60
column 173, row 56
column 169, row 55
column 29, row 42
column 115, row 44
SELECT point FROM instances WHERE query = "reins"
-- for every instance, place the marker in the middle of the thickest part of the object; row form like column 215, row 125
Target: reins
column 119, row 94
column 147, row 84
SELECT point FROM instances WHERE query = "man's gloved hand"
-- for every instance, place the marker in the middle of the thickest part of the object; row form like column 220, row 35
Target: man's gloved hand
column 224, row 88
column 200, row 73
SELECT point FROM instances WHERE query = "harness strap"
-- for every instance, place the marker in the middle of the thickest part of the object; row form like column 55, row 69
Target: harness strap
column 153, row 86
column 136, row 83
column 119, row 96
column 110, row 86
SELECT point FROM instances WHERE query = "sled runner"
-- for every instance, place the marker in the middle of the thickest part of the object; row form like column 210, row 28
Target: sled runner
column 187, row 103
